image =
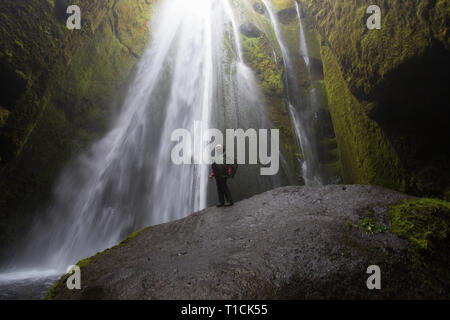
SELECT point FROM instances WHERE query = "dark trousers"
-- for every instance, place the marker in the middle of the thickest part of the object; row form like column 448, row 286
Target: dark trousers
column 223, row 191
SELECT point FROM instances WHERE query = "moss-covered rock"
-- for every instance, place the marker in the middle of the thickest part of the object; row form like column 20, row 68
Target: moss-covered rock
column 280, row 5
column 4, row 113
column 287, row 16
column 298, row 247
column 366, row 57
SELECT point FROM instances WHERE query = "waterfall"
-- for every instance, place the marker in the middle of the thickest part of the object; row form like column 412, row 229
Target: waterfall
column 303, row 46
column 126, row 180
column 319, row 176
column 302, row 111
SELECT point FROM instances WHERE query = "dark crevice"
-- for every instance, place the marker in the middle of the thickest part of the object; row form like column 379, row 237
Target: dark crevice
column 412, row 107
column 12, row 86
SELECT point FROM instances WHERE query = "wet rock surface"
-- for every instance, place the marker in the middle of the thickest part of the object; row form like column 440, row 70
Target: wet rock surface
column 288, row 243
column 250, row 30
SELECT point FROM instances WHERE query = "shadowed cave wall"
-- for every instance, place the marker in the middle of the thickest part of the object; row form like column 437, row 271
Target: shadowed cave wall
column 386, row 90
column 59, row 91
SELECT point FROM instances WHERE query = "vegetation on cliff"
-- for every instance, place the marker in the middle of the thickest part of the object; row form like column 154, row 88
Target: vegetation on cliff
column 365, row 153
column 262, row 54
column 424, row 222
column 388, row 91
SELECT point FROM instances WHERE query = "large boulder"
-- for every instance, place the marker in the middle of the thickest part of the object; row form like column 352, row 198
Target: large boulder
column 292, row 242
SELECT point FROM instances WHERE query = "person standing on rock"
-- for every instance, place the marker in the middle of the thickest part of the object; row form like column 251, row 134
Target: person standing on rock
column 221, row 171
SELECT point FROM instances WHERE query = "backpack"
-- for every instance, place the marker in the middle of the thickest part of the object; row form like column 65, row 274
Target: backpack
column 234, row 168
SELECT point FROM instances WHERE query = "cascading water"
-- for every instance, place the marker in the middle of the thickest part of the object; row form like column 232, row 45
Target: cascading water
column 302, row 110
column 127, row 179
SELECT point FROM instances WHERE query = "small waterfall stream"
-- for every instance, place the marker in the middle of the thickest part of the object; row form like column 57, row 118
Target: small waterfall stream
column 302, row 110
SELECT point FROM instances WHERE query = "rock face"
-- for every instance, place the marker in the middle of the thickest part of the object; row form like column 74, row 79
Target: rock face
column 59, row 90
column 287, row 16
column 388, row 90
column 250, row 30
column 292, row 242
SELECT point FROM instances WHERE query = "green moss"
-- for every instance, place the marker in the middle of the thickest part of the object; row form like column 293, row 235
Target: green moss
column 366, row 154
column 390, row 75
column 424, row 222
column 258, row 55
column 447, row 195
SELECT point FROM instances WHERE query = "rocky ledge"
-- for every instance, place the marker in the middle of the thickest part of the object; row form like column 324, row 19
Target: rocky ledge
column 288, row 243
